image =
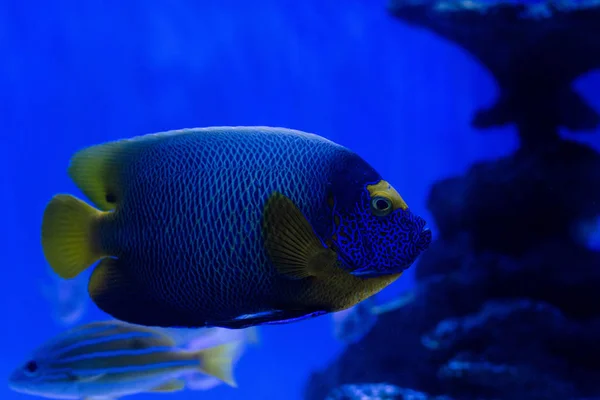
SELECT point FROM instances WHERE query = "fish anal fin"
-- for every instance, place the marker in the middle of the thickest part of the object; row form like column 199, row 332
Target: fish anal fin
column 293, row 246
column 95, row 171
column 116, row 293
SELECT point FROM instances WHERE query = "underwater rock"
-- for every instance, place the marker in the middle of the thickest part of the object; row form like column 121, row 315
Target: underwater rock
column 391, row 352
column 508, row 336
column 549, row 190
column 499, row 381
column 534, row 50
column 488, row 321
column 492, row 323
column 507, row 304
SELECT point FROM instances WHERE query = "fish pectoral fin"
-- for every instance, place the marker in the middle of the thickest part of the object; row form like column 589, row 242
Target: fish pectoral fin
column 218, row 361
column 96, row 170
column 69, row 237
column 292, row 245
column 267, row 318
column 174, row 385
column 116, row 293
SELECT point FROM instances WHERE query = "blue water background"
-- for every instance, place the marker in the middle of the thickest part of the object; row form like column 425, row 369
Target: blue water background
column 75, row 73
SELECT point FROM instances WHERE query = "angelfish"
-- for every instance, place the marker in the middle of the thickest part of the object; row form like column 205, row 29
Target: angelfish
column 229, row 227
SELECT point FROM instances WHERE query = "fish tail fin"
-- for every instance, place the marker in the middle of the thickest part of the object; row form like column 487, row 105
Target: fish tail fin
column 69, row 235
column 218, row 362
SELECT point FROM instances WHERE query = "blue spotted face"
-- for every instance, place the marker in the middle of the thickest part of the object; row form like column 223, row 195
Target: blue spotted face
column 379, row 236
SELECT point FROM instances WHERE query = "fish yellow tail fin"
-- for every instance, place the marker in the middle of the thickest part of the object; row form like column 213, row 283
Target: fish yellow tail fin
column 218, row 362
column 68, row 236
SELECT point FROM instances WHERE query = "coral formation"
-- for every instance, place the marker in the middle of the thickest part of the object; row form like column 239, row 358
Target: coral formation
column 533, row 49
column 507, row 304
column 378, row 391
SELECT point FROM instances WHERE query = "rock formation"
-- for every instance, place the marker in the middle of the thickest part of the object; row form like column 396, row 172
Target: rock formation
column 507, row 301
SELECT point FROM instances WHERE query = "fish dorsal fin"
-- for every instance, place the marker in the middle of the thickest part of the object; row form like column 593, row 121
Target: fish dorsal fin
column 116, row 326
column 172, row 386
column 293, row 246
column 95, row 171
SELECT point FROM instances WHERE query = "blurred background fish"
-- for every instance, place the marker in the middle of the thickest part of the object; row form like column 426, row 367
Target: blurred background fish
column 352, row 324
column 110, row 359
column 204, row 338
column 67, row 299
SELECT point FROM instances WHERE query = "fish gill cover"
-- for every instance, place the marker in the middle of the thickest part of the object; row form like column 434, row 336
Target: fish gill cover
column 507, row 303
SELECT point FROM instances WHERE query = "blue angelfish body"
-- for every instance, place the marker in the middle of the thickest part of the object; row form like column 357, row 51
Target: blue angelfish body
column 231, row 226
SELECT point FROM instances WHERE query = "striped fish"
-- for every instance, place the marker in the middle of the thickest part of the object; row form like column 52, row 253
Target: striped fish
column 110, row 359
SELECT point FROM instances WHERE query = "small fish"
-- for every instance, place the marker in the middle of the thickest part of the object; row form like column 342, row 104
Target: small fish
column 110, row 359
column 67, row 298
column 203, row 338
column 230, row 227
column 352, row 324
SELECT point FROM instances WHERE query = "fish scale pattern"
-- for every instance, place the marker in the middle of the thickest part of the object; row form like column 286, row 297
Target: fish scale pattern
column 189, row 221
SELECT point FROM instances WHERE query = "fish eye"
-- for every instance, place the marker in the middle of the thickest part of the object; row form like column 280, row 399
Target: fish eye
column 31, row 367
column 381, row 206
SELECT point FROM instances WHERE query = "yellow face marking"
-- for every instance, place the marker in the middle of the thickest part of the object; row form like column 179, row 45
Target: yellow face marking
column 384, row 189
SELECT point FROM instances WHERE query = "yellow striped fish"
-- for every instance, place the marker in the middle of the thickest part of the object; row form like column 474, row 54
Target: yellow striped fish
column 110, row 359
